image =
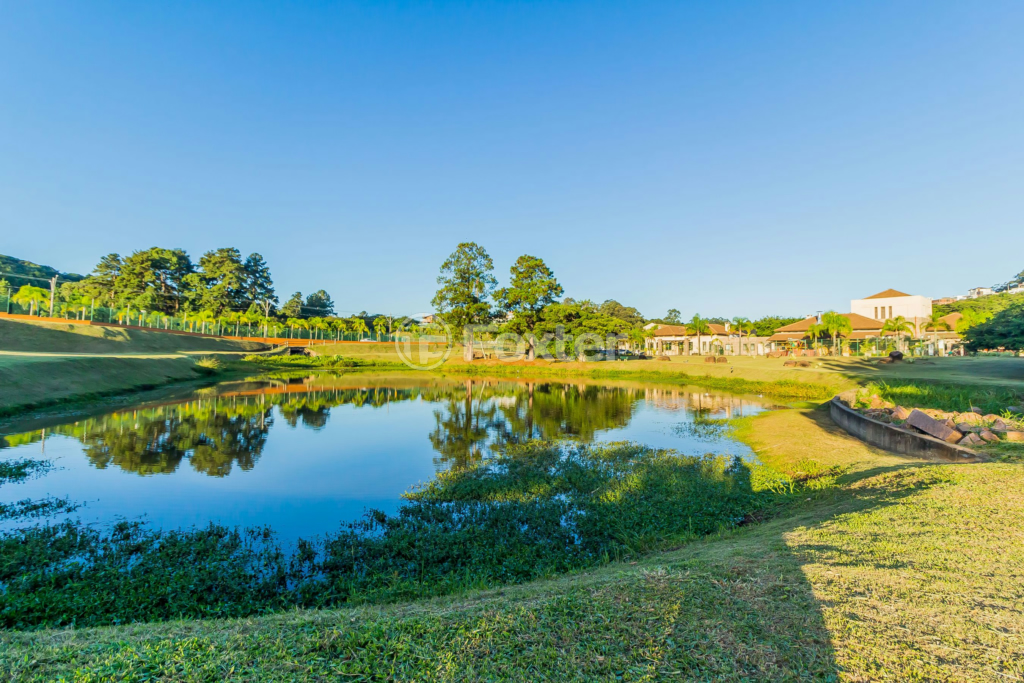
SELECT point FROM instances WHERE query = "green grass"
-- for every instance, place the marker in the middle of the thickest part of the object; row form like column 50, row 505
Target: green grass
column 779, row 388
column 17, row 335
column 134, row 360
column 884, row 579
column 32, row 382
column 949, row 397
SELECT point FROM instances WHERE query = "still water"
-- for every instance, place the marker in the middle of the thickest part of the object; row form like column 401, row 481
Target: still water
column 303, row 454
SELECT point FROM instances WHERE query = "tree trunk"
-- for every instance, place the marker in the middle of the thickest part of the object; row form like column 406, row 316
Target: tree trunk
column 467, row 351
column 531, row 354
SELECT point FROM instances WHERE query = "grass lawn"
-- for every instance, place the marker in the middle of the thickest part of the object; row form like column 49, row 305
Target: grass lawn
column 36, row 381
column 907, row 571
column 17, row 335
column 27, row 381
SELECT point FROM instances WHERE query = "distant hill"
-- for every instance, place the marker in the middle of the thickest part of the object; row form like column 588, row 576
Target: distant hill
column 19, row 273
column 993, row 303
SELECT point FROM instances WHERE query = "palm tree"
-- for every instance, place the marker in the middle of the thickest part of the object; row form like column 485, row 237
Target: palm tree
column 834, row 325
column 297, row 323
column 379, row 326
column 935, row 323
column 745, row 328
column 359, row 327
column 340, row 328
column 814, row 332
column 203, row 317
column 32, row 297
column 898, row 326
column 698, row 326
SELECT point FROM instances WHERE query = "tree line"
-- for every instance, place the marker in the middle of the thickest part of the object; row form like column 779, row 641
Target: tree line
column 532, row 304
column 151, row 286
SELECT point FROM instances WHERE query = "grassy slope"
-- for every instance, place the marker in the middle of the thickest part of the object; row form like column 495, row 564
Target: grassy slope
column 17, row 335
column 27, row 381
column 911, row 571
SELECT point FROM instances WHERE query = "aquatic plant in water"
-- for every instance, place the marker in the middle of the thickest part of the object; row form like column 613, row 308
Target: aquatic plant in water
column 533, row 510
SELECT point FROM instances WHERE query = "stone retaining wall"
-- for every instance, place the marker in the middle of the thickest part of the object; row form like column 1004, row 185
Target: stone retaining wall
column 889, row 438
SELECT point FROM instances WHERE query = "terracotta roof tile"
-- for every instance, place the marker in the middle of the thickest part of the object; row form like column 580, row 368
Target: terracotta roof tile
column 887, row 294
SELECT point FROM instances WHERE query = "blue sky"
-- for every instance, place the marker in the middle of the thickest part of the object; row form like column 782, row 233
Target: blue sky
column 721, row 158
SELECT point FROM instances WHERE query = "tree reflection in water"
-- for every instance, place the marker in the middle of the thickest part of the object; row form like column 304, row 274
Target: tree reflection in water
column 217, row 432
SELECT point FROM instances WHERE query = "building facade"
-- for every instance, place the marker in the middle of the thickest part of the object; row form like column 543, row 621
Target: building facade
column 679, row 340
column 892, row 304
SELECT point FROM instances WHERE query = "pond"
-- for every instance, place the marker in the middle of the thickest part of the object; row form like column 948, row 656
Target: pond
column 304, row 454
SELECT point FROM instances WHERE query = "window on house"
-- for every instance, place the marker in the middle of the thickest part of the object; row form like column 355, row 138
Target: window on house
column 876, row 312
column 890, row 311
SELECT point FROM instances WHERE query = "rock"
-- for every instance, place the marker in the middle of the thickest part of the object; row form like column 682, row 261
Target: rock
column 969, row 418
column 895, row 355
column 990, row 417
column 1017, row 437
column 964, row 428
column 971, row 440
column 900, row 413
column 879, row 415
column 949, row 423
column 999, row 424
column 976, row 410
column 933, row 427
column 988, row 436
column 1015, row 409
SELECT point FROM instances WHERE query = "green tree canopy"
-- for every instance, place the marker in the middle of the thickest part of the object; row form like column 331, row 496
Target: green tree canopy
column 466, row 282
column 766, row 326
column 1005, row 330
column 627, row 313
column 319, row 303
column 258, row 286
column 673, row 317
column 533, row 286
column 293, row 307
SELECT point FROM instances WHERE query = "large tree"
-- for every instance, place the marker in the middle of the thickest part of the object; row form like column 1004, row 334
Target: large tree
column 466, row 282
column 293, row 307
column 532, row 287
column 319, row 303
column 218, row 284
column 258, row 287
column 153, row 279
column 104, row 277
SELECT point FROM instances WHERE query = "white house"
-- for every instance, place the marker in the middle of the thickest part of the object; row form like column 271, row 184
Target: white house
column 979, row 291
column 890, row 304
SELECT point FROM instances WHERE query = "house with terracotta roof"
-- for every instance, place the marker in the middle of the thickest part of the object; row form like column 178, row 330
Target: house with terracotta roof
column 865, row 329
column 796, row 334
column 679, row 340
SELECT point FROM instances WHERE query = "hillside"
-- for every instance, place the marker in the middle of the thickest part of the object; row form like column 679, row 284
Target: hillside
column 18, row 335
column 993, row 303
column 11, row 268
